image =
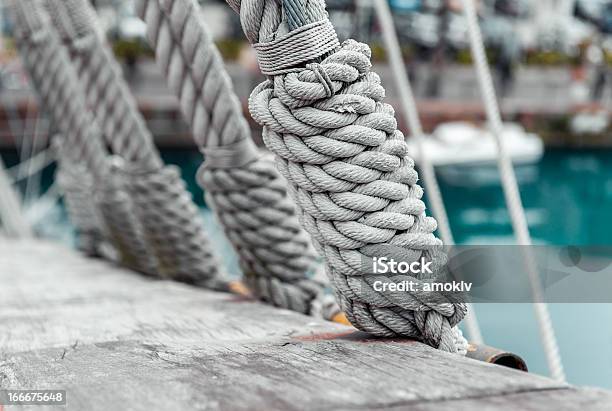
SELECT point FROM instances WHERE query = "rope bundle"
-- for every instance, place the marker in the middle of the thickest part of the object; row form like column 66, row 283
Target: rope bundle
column 246, row 192
column 338, row 145
column 51, row 74
column 76, row 183
column 103, row 83
column 121, row 225
column 49, row 68
column 172, row 228
column 56, row 81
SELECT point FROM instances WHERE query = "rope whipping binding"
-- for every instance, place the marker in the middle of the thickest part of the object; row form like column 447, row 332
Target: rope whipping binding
column 337, row 144
column 246, row 193
column 53, row 77
column 172, row 226
column 409, row 107
column 511, row 192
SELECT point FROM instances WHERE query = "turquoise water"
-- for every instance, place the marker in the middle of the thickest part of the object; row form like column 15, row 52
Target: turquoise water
column 568, row 200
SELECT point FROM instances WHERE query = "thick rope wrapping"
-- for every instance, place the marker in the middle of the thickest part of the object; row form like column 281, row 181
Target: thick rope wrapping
column 106, row 89
column 338, row 145
column 49, row 72
column 77, row 185
column 121, row 225
column 55, row 80
column 245, row 191
column 307, row 43
column 172, row 228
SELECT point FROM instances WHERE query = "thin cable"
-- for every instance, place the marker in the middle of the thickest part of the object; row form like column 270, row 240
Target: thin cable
column 11, row 215
column 34, row 164
column 511, row 192
column 32, row 187
column 409, row 106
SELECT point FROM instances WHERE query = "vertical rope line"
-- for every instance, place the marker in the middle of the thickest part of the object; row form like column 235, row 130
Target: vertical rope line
column 50, row 71
column 109, row 96
column 409, row 106
column 11, row 217
column 242, row 186
column 337, row 143
column 32, row 183
column 54, row 80
column 511, row 192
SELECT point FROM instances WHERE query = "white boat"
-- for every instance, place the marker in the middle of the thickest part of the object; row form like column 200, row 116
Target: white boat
column 463, row 143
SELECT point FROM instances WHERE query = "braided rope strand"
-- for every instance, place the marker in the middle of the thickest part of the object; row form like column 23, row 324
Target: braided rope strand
column 245, row 191
column 76, row 183
column 56, row 82
column 51, row 74
column 107, row 91
column 172, row 227
column 338, row 145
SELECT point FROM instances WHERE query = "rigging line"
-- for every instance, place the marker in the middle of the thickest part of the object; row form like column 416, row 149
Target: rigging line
column 32, row 184
column 511, row 191
column 25, row 143
column 34, row 164
column 45, row 203
column 11, row 214
column 409, row 107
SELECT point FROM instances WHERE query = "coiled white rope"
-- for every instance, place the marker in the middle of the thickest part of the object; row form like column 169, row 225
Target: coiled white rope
column 338, row 145
column 56, row 81
column 159, row 197
column 246, row 193
column 53, row 77
column 511, row 191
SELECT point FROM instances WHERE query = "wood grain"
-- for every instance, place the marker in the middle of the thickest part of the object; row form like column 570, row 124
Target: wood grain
column 117, row 340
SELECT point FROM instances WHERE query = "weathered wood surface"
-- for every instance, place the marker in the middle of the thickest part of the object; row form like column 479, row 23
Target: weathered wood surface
column 117, row 340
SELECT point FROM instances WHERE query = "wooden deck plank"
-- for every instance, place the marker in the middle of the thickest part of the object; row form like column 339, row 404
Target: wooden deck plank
column 586, row 399
column 117, row 340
